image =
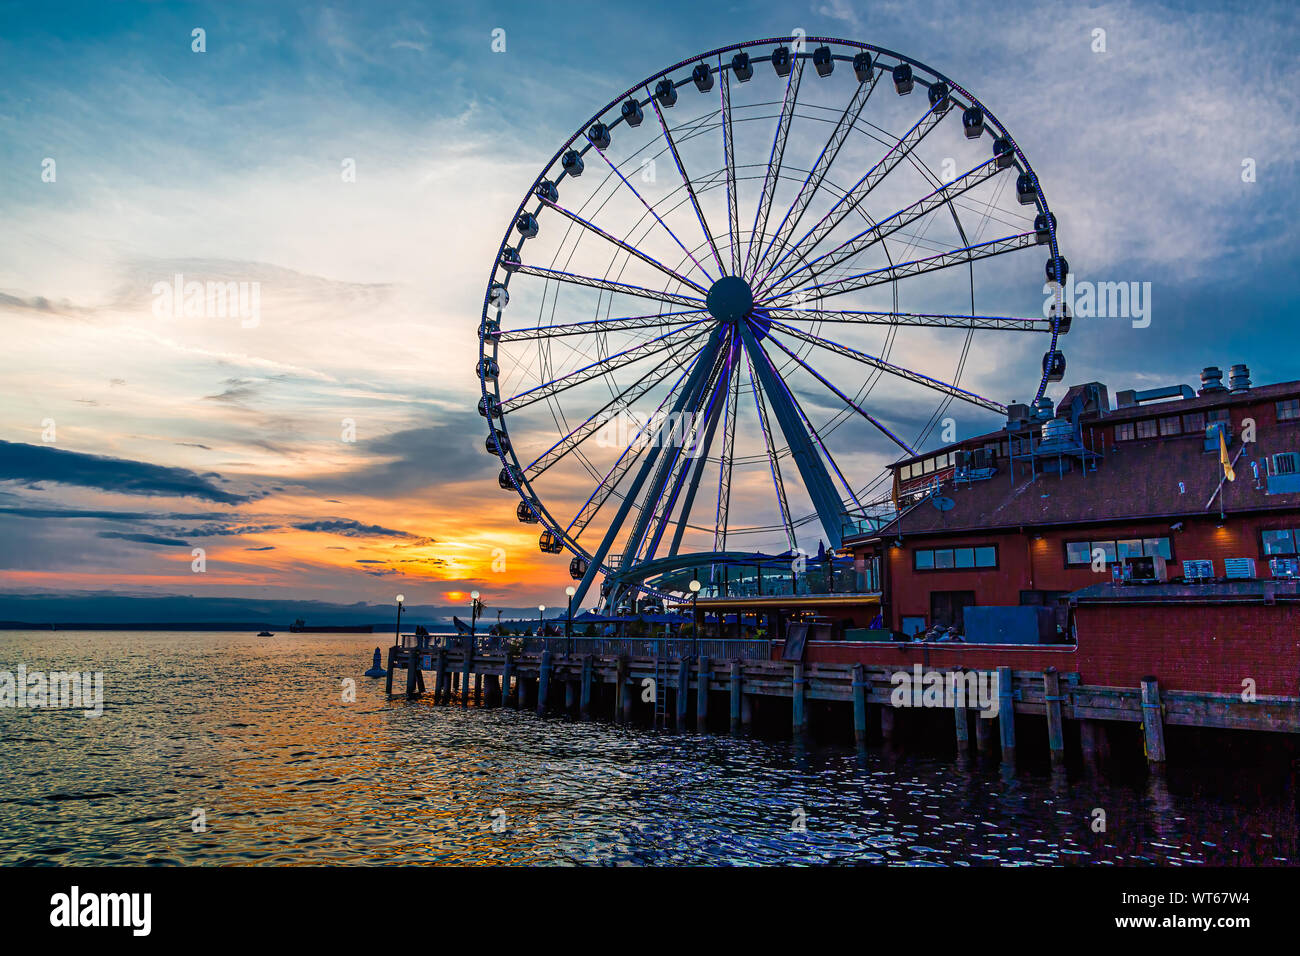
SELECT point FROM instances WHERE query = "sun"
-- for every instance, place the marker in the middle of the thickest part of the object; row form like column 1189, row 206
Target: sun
column 454, row 595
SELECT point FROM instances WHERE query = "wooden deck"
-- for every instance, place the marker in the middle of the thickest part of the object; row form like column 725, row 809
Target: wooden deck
column 552, row 680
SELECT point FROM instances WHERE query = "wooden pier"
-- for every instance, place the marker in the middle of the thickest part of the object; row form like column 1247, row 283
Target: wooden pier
column 625, row 677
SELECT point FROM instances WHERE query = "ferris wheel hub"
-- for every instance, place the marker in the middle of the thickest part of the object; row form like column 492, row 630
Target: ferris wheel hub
column 730, row 299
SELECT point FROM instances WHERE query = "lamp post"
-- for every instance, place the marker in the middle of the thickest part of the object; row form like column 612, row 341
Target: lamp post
column 397, row 634
column 695, row 615
column 541, row 623
column 569, row 592
column 475, row 609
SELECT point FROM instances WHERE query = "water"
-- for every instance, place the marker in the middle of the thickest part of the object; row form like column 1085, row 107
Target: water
column 255, row 733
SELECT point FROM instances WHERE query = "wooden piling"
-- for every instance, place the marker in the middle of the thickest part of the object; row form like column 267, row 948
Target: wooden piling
column 467, row 670
column 1006, row 716
column 746, row 709
column 683, row 690
column 441, row 692
column 478, row 690
column 492, row 693
column 388, row 681
column 620, row 678
column 983, row 733
column 702, row 696
column 1088, row 743
column 737, row 695
column 859, row 705
column 570, row 696
column 1055, row 726
column 961, row 720
column 584, row 704
column 797, row 694
column 1153, row 725
column 887, row 723
column 507, row 669
column 544, row 683
column 629, row 691
column 412, row 668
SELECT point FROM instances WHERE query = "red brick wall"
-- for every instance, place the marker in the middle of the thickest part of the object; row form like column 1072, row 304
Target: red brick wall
column 1196, row 647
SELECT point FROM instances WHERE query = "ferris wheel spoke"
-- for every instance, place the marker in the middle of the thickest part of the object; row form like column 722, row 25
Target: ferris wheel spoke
column 625, row 461
column 691, row 465
column 614, row 407
column 625, row 246
column 624, row 324
column 846, row 400
column 610, row 286
column 885, row 227
column 777, row 482
column 703, row 364
column 815, row 176
column 650, row 209
column 608, row 364
column 904, row 270
column 729, row 154
column 686, row 181
column 897, row 370
column 727, row 459
column 774, row 164
column 923, row 319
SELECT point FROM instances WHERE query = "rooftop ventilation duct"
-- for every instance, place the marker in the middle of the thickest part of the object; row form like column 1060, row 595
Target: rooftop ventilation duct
column 1211, row 380
column 1239, row 379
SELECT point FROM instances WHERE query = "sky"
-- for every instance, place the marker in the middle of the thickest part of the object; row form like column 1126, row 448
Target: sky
column 360, row 162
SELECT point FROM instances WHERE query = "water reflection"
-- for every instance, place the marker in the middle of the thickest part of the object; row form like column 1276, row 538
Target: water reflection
column 256, row 733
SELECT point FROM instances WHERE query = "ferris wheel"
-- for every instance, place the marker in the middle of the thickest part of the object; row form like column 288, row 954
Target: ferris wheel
column 786, row 255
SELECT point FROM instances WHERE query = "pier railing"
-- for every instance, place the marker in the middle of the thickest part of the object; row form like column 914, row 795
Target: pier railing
column 671, row 647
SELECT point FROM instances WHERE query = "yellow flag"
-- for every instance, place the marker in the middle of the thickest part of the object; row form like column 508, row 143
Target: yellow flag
column 1223, row 458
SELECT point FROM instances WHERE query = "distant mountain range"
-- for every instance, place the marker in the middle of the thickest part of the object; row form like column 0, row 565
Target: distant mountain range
column 176, row 612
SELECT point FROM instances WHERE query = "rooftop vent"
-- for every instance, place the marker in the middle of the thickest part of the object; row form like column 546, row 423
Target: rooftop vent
column 1239, row 379
column 1211, row 380
column 1043, row 409
column 1017, row 416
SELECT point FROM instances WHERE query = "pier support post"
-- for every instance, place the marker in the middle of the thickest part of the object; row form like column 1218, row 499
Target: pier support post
column 493, row 692
column 702, row 696
column 983, row 733
column 1055, row 726
column 620, row 678
column 584, row 704
column 478, row 690
column 1088, row 733
column 683, row 690
column 544, row 683
column 1006, row 716
column 570, row 696
column 440, row 690
column 507, row 668
column 412, row 668
column 467, row 668
column 887, row 723
column 960, row 715
column 1153, row 725
column 746, row 709
column 737, row 696
column 388, row 682
column 797, row 686
column 860, row 705
column 629, row 690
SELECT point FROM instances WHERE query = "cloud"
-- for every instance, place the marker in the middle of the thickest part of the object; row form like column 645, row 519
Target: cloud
column 352, row 529
column 145, row 538
column 28, row 464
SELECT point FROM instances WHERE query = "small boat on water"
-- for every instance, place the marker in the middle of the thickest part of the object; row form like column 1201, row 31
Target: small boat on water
column 265, row 634
column 461, row 626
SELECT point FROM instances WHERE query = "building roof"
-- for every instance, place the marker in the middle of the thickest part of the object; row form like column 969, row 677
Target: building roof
column 1135, row 480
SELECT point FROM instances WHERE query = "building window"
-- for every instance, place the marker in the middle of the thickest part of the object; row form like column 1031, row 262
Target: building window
column 1170, row 425
column 1289, row 410
column 1079, row 553
column 1280, row 542
column 982, row 558
column 1146, row 428
column 1125, row 432
column 1194, row 422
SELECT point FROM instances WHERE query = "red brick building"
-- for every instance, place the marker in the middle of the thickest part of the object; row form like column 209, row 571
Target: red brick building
column 1049, row 510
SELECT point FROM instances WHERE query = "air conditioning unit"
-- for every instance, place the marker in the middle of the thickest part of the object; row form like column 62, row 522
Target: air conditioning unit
column 1198, row 570
column 1150, row 569
column 1286, row 463
column 1285, row 567
column 1239, row 568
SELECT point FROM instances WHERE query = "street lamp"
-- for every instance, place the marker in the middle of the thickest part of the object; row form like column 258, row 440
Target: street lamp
column 569, row 592
column 541, row 623
column 695, row 615
column 397, row 634
column 475, row 609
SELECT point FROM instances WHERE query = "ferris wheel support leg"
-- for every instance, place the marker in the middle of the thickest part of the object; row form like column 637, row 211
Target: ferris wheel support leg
column 703, row 368
column 811, row 469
